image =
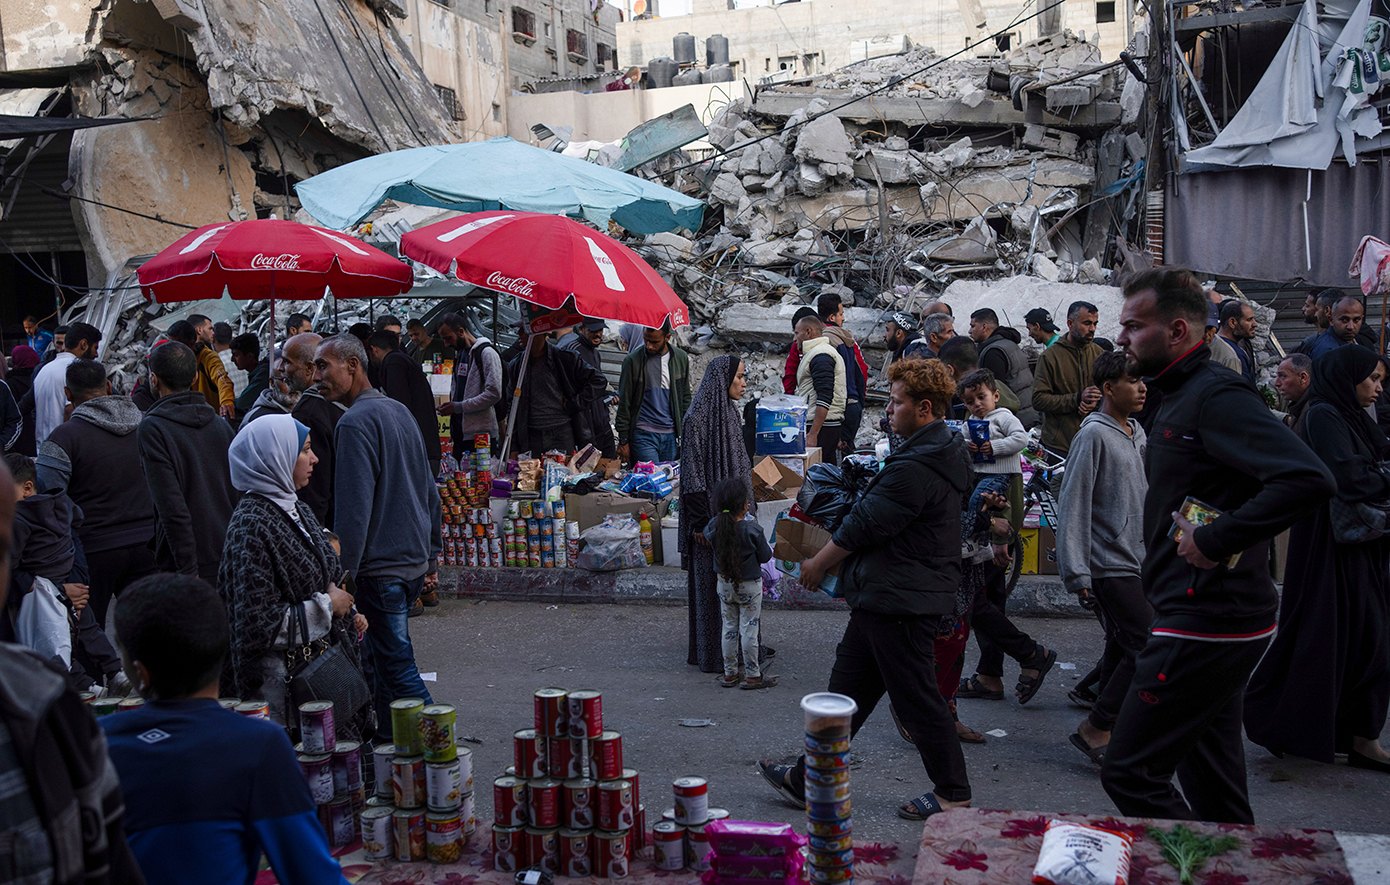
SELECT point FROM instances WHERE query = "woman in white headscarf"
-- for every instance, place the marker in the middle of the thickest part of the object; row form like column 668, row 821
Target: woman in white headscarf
column 276, row 558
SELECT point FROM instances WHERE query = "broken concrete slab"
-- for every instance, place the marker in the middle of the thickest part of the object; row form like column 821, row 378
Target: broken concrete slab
column 824, row 140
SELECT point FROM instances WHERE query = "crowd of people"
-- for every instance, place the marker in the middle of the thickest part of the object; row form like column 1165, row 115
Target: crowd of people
column 245, row 504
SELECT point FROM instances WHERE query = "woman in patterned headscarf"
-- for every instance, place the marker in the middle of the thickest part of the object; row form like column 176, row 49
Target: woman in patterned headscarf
column 712, row 449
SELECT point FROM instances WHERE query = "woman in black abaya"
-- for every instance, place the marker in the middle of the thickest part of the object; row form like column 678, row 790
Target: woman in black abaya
column 1324, row 686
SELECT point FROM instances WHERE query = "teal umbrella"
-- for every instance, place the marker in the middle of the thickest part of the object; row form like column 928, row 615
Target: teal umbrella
column 497, row 174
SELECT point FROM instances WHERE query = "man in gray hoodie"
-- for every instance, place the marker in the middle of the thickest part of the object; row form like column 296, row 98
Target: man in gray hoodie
column 1100, row 542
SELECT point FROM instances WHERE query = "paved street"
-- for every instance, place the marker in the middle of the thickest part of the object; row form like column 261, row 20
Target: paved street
column 491, row 656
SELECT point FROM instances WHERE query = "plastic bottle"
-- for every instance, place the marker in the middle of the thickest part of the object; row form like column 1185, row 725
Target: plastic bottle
column 646, row 528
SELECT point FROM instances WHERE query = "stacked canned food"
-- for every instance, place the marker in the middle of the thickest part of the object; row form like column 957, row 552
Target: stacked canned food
column 828, row 825
column 567, row 805
column 678, row 839
column 332, row 768
column 534, row 535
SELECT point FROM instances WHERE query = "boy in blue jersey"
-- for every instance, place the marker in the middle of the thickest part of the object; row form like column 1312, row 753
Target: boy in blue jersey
column 207, row 791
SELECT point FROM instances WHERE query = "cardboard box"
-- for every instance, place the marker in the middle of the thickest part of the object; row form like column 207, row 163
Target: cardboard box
column 1039, row 551
column 774, row 481
column 589, row 511
column 799, row 463
column 796, row 542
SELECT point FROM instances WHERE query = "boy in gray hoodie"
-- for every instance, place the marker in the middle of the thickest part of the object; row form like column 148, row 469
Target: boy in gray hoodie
column 1100, row 542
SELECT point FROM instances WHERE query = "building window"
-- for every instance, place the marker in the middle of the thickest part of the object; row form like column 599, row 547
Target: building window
column 547, row 29
column 604, row 57
column 786, row 63
column 451, row 101
column 447, row 4
column 496, row 112
column 554, row 62
column 1105, row 11
column 487, row 7
column 523, row 21
column 577, row 46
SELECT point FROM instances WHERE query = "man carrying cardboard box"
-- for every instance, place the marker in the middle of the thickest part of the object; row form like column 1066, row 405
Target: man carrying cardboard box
column 900, row 549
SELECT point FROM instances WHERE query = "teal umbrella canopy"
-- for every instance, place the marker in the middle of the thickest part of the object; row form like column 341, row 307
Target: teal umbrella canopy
column 497, row 174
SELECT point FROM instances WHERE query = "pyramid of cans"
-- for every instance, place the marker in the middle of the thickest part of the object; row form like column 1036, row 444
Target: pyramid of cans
column 828, row 826
column 567, row 805
column 470, row 536
column 535, row 535
column 333, row 770
column 421, row 805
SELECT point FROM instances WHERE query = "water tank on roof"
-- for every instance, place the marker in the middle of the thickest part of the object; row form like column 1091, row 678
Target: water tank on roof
column 684, row 45
column 719, row 74
column 690, row 77
column 716, row 50
column 660, row 72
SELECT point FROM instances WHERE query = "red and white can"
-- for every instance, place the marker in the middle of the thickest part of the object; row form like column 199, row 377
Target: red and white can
column 528, row 754
column 318, row 774
column 544, row 796
column 615, row 809
column 630, row 775
column 509, row 802
column 612, row 854
column 668, row 846
column 581, row 812
column 585, row 714
column 576, row 853
column 697, row 848
column 608, row 756
column 409, row 827
column 552, row 713
column 254, row 709
column 443, row 836
column 639, row 830
column 408, row 781
column 509, row 849
column 543, row 849
column 692, row 801
column 316, row 727
column 567, row 759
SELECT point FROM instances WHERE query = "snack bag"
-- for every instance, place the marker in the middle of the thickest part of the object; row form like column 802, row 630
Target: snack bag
column 1199, row 513
column 979, row 434
column 1076, row 854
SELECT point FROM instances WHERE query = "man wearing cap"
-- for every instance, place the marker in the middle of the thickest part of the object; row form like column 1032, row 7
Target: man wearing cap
column 1040, row 327
column 1063, row 392
column 584, row 342
column 901, row 335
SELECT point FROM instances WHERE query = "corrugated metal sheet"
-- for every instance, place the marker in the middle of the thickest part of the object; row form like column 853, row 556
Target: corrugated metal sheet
column 40, row 222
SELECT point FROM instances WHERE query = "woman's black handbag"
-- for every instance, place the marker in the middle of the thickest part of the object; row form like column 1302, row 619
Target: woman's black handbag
column 1360, row 522
column 323, row 670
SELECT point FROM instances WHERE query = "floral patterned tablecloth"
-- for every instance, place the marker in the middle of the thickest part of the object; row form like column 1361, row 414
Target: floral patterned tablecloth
column 972, row 846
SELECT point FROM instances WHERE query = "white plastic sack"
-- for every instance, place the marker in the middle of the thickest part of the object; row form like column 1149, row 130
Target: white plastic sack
column 606, row 547
column 42, row 623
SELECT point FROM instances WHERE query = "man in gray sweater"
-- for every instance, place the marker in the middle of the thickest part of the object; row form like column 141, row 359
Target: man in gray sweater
column 386, row 515
column 1100, row 542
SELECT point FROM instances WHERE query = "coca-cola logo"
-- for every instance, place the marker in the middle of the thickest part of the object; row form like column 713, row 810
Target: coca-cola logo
column 516, row 285
column 284, row 261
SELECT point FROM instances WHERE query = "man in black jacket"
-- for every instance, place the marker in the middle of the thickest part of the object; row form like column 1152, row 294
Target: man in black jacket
column 403, row 380
column 183, row 449
column 1213, row 439
column 557, row 394
column 900, row 549
column 1001, row 354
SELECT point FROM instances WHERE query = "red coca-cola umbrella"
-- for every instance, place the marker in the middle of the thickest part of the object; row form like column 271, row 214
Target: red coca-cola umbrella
column 266, row 258
column 550, row 261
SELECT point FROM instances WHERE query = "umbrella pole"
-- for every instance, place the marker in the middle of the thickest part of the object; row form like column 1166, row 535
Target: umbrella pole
column 516, row 398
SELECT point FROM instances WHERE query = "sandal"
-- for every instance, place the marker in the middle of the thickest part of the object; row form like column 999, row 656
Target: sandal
column 761, row 682
column 728, row 681
column 972, row 688
column 902, row 732
column 1028, row 685
column 776, row 776
column 1082, row 697
column 923, row 807
column 970, row 736
column 1095, row 754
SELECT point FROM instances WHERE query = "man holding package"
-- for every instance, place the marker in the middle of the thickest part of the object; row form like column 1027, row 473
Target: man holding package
column 899, row 552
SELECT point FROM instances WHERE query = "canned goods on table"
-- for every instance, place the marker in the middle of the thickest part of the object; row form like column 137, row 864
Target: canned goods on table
column 408, row 830
column 697, row 848
column 668, row 846
column 509, row 849
column 509, row 802
column 405, row 726
column 347, row 766
column 830, row 875
column 576, row 852
column 254, row 709
column 580, row 803
column 437, row 732
column 544, row 797
column 378, row 835
column 828, row 715
column 608, row 756
column 408, row 780
column 630, row 775
column 585, row 714
column 543, row 849
column 822, row 845
column 567, row 758
column 381, row 770
column 718, row 814
column 443, row 785
column 829, row 829
column 612, row 854
column 105, row 706
column 615, row 808
column 528, row 754
column 342, row 826
column 828, row 811
column 552, row 712
column 224, row 703
column 318, row 774
column 465, row 761
column 692, row 800
column 824, row 859
column 443, row 836
column 316, row 727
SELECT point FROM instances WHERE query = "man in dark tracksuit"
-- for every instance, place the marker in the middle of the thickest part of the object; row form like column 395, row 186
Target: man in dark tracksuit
column 900, row 551
column 1213, row 439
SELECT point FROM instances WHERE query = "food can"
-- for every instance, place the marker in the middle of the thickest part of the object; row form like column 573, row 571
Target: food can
column 580, row 802
column 612, row 854
column 408, row 781
column 828, row 811
column 572, row 531
column 509, row 802
column 381, row 770
column 828, row 716
column 828, row 761
column 543, row 797
column 830, row 829
column 547, row 559
column 405, row 726
column 533, row 528
column 576, row 852
column 640, row 831
column 615, row 808
column 450, row 553
column 608, row 756
column 378, row 836
column 534, row 560
column 347, row 767
column 630, row 775
column 557, row 510
column 830, row 875
column 551, row 713
column 567, row 759
column 465, row 761
column 816, row 746
column 541, row 510
column 375, row 801
column 830, row 844
column 668, row 846
column 443, row 836
column 692, row 801
column 543, row 849
column 697, row 848
column 437, row 732
column 509, row 849
column 253, row 709
column 408, row 828
column 557, row 528
column 318, row 774
column 547, row 546
column 841, row 858
column 228, row 703
column 528, row 754
column 342, row 826
column 105, row 706
column 827, row 791
column 585, row 713
column 443, row 785
column 470, row 552
column 669, row 814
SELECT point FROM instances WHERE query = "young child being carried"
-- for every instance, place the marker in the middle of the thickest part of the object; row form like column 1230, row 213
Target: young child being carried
column 1007, row 438
column 740, row 549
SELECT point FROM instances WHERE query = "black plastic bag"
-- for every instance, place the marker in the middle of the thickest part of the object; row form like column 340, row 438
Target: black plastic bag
column 827, row 495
